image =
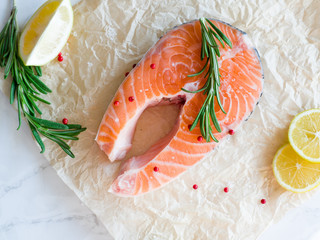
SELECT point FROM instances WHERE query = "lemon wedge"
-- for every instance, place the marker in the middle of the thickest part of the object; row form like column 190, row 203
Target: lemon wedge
column 304, row 135
column 46, row 32
column 293, row 172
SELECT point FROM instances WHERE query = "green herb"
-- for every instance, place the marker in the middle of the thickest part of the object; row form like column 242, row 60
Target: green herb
column 210, row 50
column 26, row 87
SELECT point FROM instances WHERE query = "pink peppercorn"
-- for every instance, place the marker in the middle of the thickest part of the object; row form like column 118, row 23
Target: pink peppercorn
column 226, row 189
column 195, row 186
column 263, row 201
column 60, row 58
column 131, row 99
column 156, row 169
column 65, row 121
column 153, row 66
column 231, row 132
column 200, row 138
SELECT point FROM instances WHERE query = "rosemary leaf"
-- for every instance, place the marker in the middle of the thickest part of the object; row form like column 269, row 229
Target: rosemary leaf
column 225, row 39
column 75, row 126
column 201, row 71
column 47, row 123
column 66, row 137
column 35, row 97
column 34, row 105
column 13, row 91
column 199, row 90
column 38, row 71
column 37, row 137
column 67, row 151
column 202, row 127
column 37, row 83
column 213, row 137
column 24, row 100
column 56, row 140
column 71, row 133
column 26, row 81
column 19, row 109
column 207, row 124
column 218, row 99
column 217, row 37
column 8, row 65
column 214, row 118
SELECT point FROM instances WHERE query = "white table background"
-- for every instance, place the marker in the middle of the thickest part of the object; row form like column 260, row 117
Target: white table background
column 35, row 204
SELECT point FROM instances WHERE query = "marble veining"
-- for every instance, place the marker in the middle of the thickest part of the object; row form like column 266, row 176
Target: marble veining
column 5, row 189
column 50, row 219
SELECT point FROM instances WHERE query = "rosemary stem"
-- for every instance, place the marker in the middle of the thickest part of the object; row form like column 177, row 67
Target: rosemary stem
column 210, row 51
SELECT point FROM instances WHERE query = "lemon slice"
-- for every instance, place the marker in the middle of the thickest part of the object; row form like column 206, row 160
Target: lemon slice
column 304, row 135
column 46, row 32
column 293, row 172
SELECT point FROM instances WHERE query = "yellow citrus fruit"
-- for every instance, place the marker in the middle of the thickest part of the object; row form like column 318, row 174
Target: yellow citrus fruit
column 304, row 135
column 293, row 172
column 46, row 32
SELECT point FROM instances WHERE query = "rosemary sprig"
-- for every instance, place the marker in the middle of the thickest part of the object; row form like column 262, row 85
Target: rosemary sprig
column 26, row 87
column 210, row 50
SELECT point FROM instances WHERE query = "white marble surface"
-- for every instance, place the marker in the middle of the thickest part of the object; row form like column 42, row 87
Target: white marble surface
column 35, row 204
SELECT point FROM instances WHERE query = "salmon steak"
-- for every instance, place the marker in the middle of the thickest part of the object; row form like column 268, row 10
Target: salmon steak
column 158, row 79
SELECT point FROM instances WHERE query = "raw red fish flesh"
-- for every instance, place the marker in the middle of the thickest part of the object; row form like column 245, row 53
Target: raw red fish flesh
column 158, row 79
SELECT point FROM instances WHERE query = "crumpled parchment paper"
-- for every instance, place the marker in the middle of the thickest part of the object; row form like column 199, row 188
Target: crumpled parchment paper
column 108, row 37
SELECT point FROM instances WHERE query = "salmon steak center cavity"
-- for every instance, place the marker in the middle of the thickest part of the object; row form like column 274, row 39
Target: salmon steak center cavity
column 158, row 79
